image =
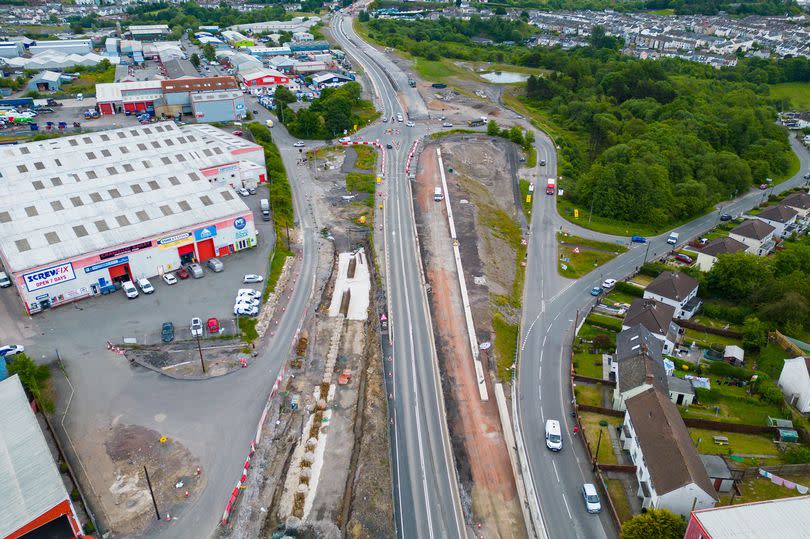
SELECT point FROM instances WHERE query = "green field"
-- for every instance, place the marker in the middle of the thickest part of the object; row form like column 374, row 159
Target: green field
column 755, row 489
column 739, row 444
column 797, row 92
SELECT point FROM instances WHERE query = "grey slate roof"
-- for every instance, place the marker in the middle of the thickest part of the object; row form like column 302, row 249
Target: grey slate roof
column 780, row 213
column 641, row 369
column 653, row 315
column 629, row 342
column 798, row 200
column 754, row 229
column 673, row 285
column 722, row 246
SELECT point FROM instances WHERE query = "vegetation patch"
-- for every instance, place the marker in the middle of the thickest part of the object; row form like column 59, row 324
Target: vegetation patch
column 756, row 489
column 506, row 336
column 591, row 427
column 247, row 328
column 738, row 444
column 366, row 157
column 795, row 94
column 619, row 498
column 590, row 395
column 525, row 201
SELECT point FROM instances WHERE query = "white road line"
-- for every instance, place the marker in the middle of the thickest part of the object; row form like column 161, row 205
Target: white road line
column 556, row 317
column 542, row 415
column 554, row 463
column 565, row 500
column 545, row 339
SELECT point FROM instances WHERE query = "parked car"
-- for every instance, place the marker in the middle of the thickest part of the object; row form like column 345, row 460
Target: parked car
column 213, row 325
column 195, row 270
column 591, row 498
column 248, row 293
column 182, row 273
column 242, row 191
column 410, row 124
column 447, row 124
column 145, row 286
column 251, row 190
column 345, row 140
column 596, row 290
column 169, row 278
column 215, row 265
column 299, row 144
column 196, row 327
column 238, row 132
column 245, row 310
column 167, row 332
column 608, row 283
column 5, row 282
column 763, row 186
column 129, row 289
column 252, row 278
column 11, row 350
column 638, row 239
column 686, row 259
column 725, row 217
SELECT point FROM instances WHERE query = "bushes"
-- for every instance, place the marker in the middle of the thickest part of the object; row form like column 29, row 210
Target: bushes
column 720, row 368
column 280, row 192
column 652, row 269
column 629, row 289
column 799, row 454
column 607, row 322
column 729, row 313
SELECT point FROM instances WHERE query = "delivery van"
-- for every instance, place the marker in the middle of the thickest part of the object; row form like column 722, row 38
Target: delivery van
column 553, row 435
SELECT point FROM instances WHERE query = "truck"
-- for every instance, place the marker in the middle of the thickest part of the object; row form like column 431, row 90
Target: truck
column 17, row 102
column 550, row 186
column 437, row 194
column 673, row 238
column 265, row 205
column 477, row 122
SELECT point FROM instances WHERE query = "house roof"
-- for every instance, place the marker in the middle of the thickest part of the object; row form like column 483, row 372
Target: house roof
column 722, row 246
column 786, row 517
column 639, row 369
column 799, row 200
column 629, row 342
column 668, row 450
column 780, row 213
column 673, row 285
column 754, row 229
column 178, row 68
column 29, row 480
column 732, row 350
column 653, row 315
column 716, row 467
column 679, row 385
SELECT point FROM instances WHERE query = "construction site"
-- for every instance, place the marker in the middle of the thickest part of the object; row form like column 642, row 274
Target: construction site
column 323, row 469
column 470, row 243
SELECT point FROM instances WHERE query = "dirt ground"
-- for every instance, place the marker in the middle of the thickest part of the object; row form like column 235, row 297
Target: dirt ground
column 475, row 428
column 128, row 449
column 182, row 360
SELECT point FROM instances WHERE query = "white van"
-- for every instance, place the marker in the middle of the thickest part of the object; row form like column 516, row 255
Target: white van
column 5, row 282
column 553, row 435
column 129, row 289
column 673, row 238
column 437, row 194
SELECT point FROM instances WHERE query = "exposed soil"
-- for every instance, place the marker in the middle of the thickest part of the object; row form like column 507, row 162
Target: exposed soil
column 479, row 448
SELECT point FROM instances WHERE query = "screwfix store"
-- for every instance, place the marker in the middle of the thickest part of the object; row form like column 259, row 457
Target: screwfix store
column 81, row 214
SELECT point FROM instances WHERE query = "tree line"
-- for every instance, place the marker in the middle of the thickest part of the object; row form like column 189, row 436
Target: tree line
column 327, row 117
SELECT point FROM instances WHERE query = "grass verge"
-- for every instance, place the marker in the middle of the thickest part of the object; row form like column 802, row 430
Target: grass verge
column 506, row 335
column 247, row 328
column 366, row 157
column 619, row 498
column 525, row 200
column 460, row 131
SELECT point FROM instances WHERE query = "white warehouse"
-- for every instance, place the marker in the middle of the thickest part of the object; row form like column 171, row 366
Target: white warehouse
column 80, row 214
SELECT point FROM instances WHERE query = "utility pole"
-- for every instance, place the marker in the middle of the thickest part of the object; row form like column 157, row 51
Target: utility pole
column 199, row 348
column 596, row 455
column 647, row 252
column 151, row 492
column 593, row 199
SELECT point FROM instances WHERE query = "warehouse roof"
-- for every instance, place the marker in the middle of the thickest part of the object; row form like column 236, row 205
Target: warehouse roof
column 65, row 197
column 216, row 96
column 789, row 517
column 200, row 84
column 29, row 480
column 112, row 91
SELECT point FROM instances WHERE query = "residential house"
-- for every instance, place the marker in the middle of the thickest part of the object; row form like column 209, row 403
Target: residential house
column 669, row 471
column 719, row 472
column 800, row 202
column 676, row 289
column 630, row 341
column 756, row 234
column 795, row 382
column 638, row 373
column 656, row 317
column 779, row 217
column 716, row 247
column 770, row 519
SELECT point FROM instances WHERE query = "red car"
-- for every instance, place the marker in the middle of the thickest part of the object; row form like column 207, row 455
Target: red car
column 686, row 259
column 238, row 133
column 182, row 273
column 213, row 325
column 764, row 186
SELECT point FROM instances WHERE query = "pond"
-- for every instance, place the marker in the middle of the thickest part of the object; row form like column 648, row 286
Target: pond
column 504, row 77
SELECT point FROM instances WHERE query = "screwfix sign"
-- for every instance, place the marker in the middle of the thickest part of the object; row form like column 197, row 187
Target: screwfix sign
column 37, row 280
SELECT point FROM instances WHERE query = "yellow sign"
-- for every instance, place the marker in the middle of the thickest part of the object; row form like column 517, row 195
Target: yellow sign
column 528, row 199
column 379, row 179
column 576, row 213
column 362, row 219
column 355, row 127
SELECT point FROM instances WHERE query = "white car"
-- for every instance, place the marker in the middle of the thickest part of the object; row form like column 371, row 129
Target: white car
column 245, row 310
column 249, row 293
column 250, row 302
column 11, row 350
column 252, row 278
column 196, row 327
column 591, row 498
column 344, row 139
column 299, row 144
column 410, row 124
column 145, row 286
column 129, row 289
column 169, row 278
column 447, row 124
column 243, row 192
column 608, row 283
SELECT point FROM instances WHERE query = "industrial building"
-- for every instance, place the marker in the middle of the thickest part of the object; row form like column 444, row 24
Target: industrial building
column 35, row 501
column 66, row 46
column 80, row 214
column 45, row 81
column 148, row 32
column 262, row 78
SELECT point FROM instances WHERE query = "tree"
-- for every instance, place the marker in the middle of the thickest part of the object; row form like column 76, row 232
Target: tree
column 657, row 523
column 735, row 276
column 363, row 16
column 754, row 334
column 34, row 378
column 195, row 59
column 209, row 52
column 492, row 128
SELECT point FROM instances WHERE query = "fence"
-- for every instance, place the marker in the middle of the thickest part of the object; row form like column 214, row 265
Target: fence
column 600, row 410
column 784, row 342
column 708, row 329
column 781, row 470
column 589, row 380
column 623, row 468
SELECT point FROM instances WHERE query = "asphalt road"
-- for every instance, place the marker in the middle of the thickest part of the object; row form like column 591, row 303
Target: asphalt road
column 552, row 304
column 426, row 491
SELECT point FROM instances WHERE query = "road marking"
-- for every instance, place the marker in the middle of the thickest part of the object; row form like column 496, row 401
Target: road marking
column 558, row 315
column 565, row 500
column 545, row 339
column 539, row 394
column 542, row 415
column 554, row 463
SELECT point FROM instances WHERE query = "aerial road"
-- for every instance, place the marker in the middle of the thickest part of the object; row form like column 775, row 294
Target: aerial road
column 426, row 496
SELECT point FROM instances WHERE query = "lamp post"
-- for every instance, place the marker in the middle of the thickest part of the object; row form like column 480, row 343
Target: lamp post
column 199, row 348
column 647, row 251
column 596, row 455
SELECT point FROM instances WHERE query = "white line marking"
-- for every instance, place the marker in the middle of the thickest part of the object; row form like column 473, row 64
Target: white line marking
column 545, row 338
column 554, row 463
column 566, row 507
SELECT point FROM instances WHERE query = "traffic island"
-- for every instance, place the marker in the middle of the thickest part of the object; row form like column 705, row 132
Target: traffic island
column 187, row 361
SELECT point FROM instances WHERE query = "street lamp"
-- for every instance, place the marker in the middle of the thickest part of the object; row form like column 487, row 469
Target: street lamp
column 596, row 455
column 199, row 348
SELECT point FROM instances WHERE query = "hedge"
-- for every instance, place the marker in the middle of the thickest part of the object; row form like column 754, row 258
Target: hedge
column 630, row 289
column 607, row 322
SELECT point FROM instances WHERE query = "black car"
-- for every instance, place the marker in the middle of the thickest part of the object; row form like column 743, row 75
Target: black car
column 167, row 333
column 725, row 217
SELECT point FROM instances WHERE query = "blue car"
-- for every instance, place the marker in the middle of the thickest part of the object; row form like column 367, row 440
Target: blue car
column 638, row 239
column 596, row 290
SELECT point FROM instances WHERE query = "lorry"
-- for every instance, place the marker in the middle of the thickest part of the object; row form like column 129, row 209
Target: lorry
column 673, row 238
column 437, row 194
column 550, row 186
column 265, row 205
column 478, row 122
column 17, row 102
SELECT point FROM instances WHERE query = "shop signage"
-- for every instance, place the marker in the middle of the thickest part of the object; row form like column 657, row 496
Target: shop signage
column 107, row 264
column 37, row 280
column 41, row 297
column 124, row 250
column 241, row 234
column 205, row 233
column 169, row 241
column 239, row 223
